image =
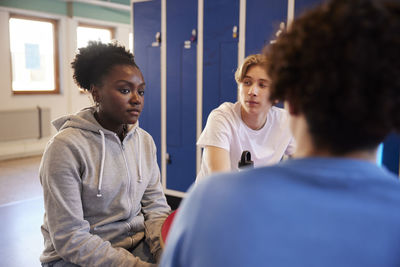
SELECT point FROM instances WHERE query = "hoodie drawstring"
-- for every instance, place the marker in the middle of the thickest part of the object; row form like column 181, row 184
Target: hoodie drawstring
column 103, row 155
column 139, row 157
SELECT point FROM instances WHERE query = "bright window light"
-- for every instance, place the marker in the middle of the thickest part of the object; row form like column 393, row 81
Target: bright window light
column 32, row 55
column 91, row 33
column 131, row 42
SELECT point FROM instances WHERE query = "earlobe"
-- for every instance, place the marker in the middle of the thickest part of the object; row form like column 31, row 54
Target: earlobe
column 95, row 94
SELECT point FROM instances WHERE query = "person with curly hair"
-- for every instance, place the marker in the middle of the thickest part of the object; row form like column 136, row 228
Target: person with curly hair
column 338, row 69
column 104, row 203
column 251, row 124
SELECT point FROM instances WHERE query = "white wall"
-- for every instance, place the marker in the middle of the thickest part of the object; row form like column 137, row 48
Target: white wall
column 69, row 100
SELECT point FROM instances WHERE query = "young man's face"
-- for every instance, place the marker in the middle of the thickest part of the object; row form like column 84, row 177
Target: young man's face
column 254, row 91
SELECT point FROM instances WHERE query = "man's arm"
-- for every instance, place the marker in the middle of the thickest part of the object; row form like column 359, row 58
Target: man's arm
column 217, row 159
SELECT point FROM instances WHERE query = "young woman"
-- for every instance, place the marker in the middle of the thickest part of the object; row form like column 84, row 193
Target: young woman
column 251, row 124
column 104, row 204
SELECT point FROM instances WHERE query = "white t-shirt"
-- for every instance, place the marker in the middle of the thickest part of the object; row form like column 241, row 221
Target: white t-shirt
column 226, row 129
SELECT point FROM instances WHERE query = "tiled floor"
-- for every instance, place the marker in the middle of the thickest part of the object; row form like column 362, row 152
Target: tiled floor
column 21, row 213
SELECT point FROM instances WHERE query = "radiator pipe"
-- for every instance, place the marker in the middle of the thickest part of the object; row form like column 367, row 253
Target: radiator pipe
column 40, row 121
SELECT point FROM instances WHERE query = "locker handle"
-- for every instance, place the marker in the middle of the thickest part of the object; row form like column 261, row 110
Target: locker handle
column 235, row 32
column 281, row 29
column 168, row 158
column 157, row 41
column 193, row 38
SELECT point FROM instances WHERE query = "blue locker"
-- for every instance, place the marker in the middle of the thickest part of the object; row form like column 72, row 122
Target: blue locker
column 181, row 94
column 391, row 153
column 263, row 20
column 220, row 53
column 147, row 22
column 302, row 5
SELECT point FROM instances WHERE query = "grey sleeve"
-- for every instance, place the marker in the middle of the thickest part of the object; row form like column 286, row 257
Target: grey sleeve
column 154, row 208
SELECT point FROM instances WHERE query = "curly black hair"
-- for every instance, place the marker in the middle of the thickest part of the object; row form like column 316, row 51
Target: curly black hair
column 339, row 65
column 95, row 60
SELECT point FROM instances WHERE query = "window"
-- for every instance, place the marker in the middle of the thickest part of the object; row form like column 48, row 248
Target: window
column 131, row 42
column 86, row 33
column 34, row 55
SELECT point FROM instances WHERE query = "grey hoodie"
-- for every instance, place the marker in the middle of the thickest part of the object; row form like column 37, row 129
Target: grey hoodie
column 102, row 196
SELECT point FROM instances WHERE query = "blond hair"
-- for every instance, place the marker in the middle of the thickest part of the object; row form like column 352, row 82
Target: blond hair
column 252, row 60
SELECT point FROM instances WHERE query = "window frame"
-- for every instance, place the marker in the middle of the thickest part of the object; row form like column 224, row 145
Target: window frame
column 56, row 56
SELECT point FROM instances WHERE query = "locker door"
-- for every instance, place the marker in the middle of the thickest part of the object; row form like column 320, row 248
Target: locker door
column 220, row 53
column 263, row 19
column 302, row 5
column 391, row 153
column 147, row 22
column 181, row 94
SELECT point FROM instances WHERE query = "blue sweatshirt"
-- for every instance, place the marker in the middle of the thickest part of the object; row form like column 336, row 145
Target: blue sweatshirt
column 309, row 212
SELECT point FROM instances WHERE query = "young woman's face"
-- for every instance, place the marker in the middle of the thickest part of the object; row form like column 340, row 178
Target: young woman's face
column 120, row 96
column 254, row 91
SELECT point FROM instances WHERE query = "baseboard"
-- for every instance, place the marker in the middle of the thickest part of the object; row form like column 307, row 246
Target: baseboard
column 21, row 155
column 22, row 148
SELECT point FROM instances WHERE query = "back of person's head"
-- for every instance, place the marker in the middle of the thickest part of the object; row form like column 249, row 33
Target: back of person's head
column 249, row 61
column 95, row 60
column 339, row 66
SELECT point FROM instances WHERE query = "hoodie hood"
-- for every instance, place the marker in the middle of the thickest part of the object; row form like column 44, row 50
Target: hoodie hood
column 85, row 120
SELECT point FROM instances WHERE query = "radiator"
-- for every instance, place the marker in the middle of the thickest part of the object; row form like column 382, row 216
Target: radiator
column 24, row 124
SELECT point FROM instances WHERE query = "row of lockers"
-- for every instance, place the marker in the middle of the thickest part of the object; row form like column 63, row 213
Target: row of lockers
column 188, row 52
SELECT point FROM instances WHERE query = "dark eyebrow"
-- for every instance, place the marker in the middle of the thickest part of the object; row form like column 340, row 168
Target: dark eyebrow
column 125, row 81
